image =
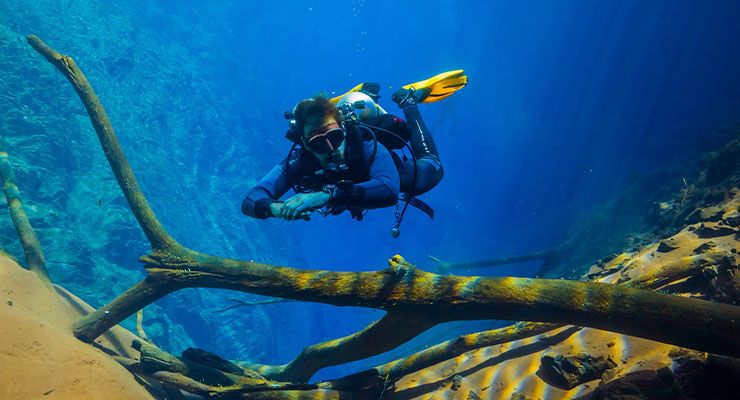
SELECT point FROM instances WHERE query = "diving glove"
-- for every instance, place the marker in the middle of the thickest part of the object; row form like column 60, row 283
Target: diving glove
column 406, row 97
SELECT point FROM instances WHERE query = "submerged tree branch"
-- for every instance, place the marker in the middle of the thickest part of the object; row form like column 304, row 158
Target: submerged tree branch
column 203, row 368
column 140, row 325
column 155, row 232
column 685, row 322
column 444, row 267
column 240, row 303
column 383, row 335
column 29, row 240
column 207, row 375
column 462, row 344
column 277, row 391
column 386, row 375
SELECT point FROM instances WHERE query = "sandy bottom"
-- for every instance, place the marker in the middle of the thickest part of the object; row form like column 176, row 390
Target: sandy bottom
column 39, row 356
column 509, row 371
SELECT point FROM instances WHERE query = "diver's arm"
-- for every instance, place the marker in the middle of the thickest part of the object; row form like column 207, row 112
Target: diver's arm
column 259, row 199
column 381, row 190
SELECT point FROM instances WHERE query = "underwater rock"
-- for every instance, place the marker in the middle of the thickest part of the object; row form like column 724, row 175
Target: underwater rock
column 567, row 372
column 522, row 396
column 692, row 376
column 473, row 396
column 732, row 218
column 599, row 270
column 456, row 382
column 714, row 230
column 705, row 247
column 723, row 373
column 608, row 265
column 724, row 280
column 712, row 214
column 668, row 245
column 643, row 384
column 707, row 214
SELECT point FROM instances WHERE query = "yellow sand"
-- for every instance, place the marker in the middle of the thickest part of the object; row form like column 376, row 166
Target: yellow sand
column 39, row 356
column 498, row 372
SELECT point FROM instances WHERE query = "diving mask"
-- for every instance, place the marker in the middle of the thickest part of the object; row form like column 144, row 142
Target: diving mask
column 326, row 141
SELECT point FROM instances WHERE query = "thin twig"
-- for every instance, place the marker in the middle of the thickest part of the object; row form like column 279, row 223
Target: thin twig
column 241, row 303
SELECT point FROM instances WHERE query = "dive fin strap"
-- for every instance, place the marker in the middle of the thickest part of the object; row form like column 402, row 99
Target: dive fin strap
column 418, row 204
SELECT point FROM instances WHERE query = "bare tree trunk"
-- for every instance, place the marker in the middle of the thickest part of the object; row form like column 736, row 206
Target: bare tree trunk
column 685, row 322
column 29, row 241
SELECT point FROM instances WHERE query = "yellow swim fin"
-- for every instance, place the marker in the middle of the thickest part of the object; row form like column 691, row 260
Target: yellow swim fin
column 357, row 88
column 371, row 89
column 440, row 86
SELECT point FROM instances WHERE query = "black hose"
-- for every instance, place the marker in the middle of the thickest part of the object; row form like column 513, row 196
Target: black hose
column 406, row 145
column 375, row 148
column 287, row 168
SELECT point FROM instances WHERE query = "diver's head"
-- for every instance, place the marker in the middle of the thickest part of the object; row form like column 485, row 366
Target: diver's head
column 367, row 112
column 319, row 122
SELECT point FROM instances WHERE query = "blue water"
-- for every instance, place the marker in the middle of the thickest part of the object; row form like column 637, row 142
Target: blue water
column 568, row 102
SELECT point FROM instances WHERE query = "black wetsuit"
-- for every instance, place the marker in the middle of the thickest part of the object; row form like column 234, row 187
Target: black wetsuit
column 428, row 167
column 377, row 175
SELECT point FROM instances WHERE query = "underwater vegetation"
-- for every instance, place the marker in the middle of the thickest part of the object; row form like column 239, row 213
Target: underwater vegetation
column 659, row 292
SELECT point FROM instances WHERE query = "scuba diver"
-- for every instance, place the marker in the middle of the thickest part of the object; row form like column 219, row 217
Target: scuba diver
column 345, row 155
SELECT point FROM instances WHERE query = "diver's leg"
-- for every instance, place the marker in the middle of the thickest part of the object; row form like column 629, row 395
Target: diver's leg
column 422, row 143
column 420, row 177
column 428, row 171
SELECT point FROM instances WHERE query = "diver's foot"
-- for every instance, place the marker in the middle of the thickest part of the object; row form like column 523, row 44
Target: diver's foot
column 406, row 97
column 371, row 89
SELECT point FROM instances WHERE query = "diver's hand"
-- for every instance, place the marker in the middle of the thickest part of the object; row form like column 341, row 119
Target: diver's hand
column 303, row 203
column 276, row 209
